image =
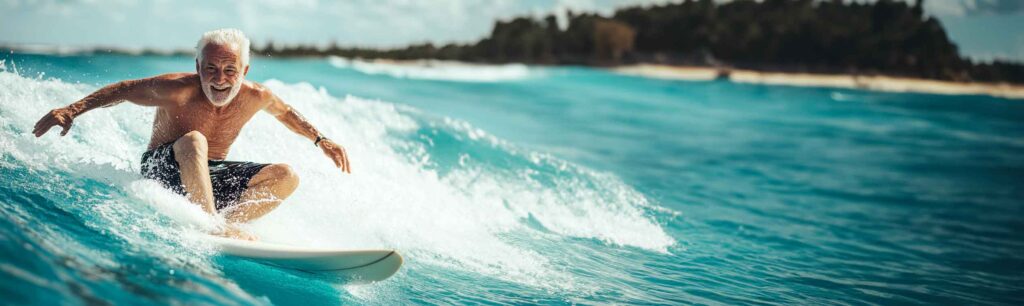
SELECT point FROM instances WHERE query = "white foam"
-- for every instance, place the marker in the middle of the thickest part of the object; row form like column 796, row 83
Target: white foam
column 105, row 146
column 461, row 219
column 436, row 70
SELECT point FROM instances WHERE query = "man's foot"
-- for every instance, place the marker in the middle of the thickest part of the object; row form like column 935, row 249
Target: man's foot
column 232, row 231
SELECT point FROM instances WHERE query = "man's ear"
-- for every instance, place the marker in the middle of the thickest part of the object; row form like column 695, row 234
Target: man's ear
column 246, row 72
column 197, row 65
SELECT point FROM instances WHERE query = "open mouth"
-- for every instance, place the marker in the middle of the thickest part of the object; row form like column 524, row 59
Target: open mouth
column 223, row 89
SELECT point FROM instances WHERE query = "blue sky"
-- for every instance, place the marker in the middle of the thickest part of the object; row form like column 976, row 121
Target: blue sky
column 984, row 29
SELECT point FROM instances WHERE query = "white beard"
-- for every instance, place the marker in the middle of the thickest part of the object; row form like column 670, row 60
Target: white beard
column 231, row 94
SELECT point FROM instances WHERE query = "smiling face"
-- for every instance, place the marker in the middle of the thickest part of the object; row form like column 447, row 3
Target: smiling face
column 221, row 73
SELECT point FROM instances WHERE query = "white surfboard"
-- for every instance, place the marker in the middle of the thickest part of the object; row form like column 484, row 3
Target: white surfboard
column 349, row 266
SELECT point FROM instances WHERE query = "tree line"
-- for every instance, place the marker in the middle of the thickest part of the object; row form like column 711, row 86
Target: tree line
column 884, row 37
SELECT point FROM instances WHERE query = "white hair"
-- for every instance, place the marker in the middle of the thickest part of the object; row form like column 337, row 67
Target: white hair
column 232, row 38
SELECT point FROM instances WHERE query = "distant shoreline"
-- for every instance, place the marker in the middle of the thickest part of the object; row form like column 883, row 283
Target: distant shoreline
column 880, row 83
column 876, row 45
column 863, row 82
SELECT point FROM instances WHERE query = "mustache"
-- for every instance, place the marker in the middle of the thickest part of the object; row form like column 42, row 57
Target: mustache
column 220, row 87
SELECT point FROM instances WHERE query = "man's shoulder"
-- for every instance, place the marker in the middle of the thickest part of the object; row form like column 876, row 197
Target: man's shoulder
column 175, row 80
column 257, row 90
column 173, row 88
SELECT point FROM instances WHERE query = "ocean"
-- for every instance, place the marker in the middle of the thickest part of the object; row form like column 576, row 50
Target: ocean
column 513, row 184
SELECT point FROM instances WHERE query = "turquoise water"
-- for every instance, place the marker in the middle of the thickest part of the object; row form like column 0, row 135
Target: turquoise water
column 523, row 185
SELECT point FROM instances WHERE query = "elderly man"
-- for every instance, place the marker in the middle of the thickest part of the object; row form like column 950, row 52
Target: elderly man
column 198, row 117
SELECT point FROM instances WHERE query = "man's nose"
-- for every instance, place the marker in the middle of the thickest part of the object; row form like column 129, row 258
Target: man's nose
column 218, row 77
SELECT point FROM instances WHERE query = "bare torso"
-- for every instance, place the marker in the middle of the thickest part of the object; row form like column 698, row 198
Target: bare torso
column 188, row 110
column 183, row 106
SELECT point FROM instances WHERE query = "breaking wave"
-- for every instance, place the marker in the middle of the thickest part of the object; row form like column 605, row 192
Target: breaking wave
column 436, row 70
column 446, row 194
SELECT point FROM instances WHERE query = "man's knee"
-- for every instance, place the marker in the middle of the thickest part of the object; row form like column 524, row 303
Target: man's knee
column 191, row 145
column 283, row 174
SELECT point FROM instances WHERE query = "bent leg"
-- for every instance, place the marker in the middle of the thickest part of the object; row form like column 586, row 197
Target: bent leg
column 266, row 190
column 191, row 153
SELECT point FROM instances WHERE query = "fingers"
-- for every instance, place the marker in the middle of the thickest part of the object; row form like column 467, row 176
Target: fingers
column 344, row 159
column 48, row 121
column 38, row 131
column 42, row 126
column 337, row 161
column 338, row 156
column 66, row 126
column 35, row 129
column 340, row 159
column 41, row 130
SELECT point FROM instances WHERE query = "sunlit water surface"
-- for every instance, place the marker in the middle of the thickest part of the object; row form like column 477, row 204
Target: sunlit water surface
column 516, row 184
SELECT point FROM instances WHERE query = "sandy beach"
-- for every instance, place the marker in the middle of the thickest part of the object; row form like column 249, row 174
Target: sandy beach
column 877, row 83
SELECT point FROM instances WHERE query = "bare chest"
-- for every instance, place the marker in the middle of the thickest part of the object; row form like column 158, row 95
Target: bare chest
column 220, row 125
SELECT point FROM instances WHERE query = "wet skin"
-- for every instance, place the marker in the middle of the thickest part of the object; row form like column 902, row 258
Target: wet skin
column 197, row 112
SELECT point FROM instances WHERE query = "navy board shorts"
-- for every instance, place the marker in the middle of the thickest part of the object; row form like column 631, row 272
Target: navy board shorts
column 229, row 178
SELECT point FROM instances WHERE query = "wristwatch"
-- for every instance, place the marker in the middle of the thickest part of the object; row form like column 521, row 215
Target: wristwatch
column 319, row 138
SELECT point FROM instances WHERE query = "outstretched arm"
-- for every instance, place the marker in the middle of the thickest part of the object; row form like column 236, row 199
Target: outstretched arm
column 149, row 92
column 298, row 124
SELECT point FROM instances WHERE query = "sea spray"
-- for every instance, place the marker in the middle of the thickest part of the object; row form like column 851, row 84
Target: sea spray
column 484, row 214
column 86, row 202
column 450, row 214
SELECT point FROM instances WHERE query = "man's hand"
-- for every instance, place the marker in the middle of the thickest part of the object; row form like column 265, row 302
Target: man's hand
column 337, row 154
column 298, row 124
column 58, row 116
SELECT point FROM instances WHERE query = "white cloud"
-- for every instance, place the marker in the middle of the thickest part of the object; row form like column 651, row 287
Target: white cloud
column 174, row 24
